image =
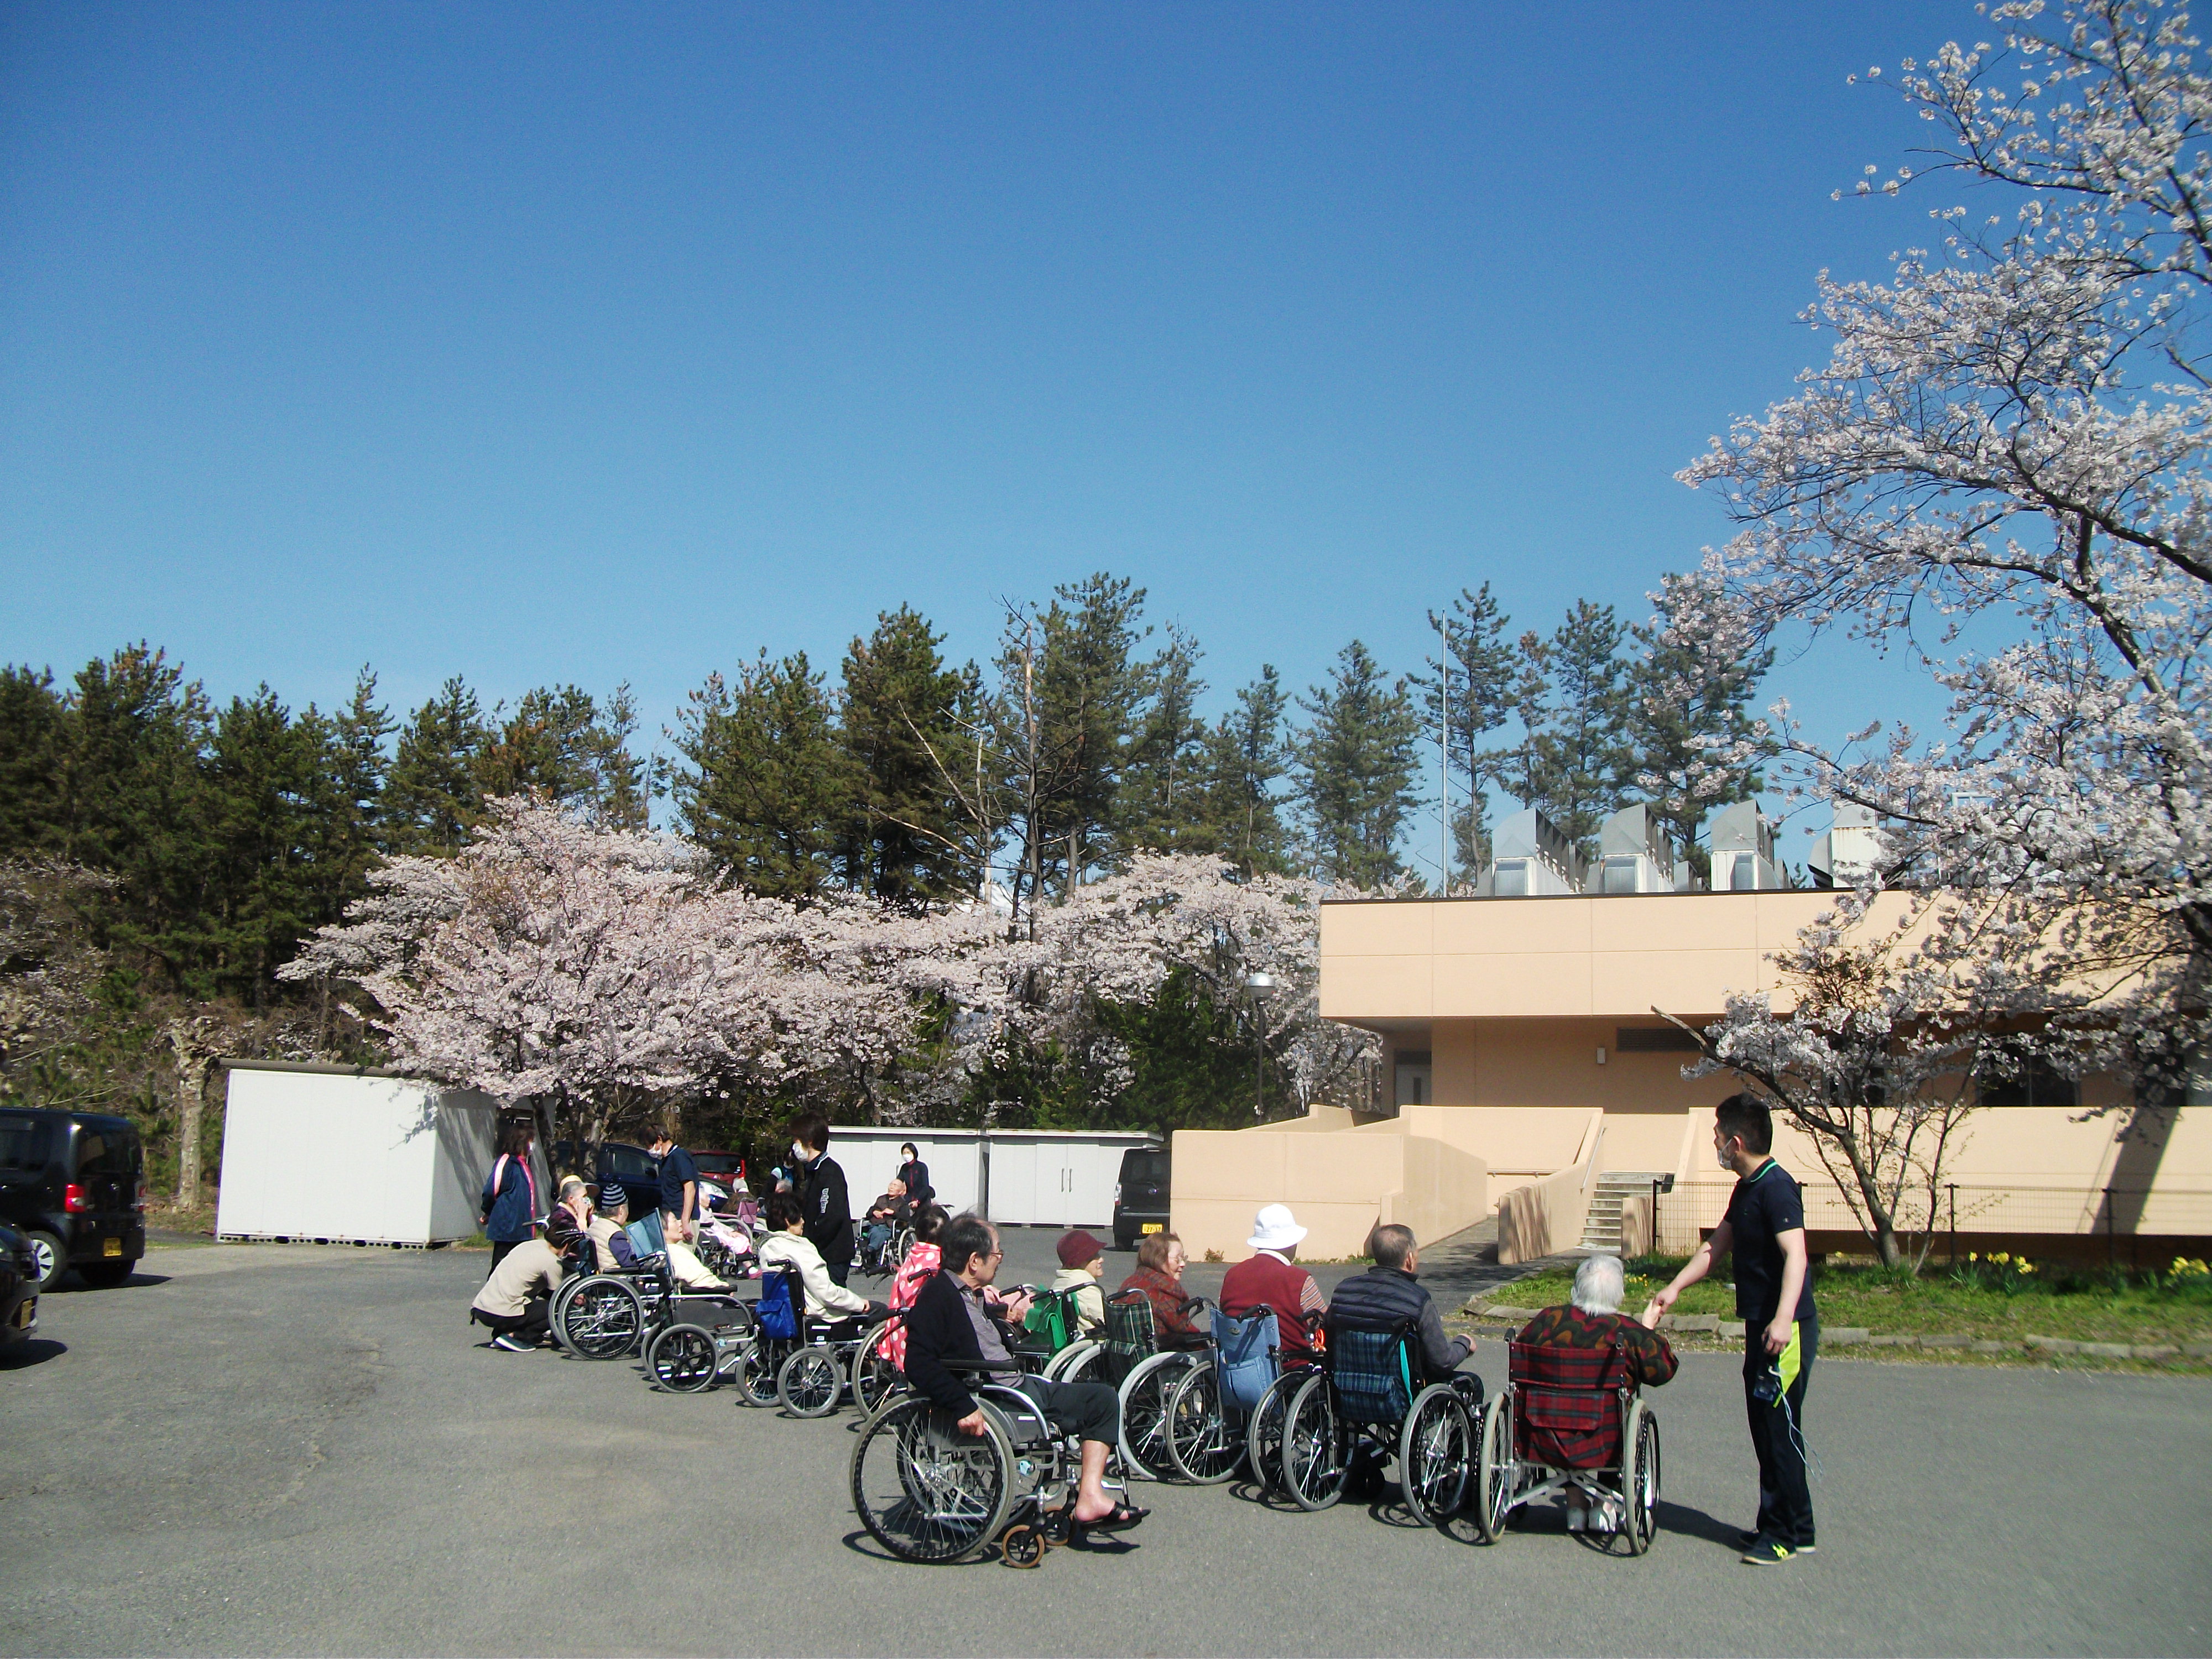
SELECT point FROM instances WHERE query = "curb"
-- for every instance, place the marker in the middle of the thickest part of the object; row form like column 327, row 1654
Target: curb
column 1858, row 1336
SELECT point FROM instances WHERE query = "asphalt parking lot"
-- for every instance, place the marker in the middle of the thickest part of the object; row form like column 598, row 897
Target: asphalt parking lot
column 285, row 1450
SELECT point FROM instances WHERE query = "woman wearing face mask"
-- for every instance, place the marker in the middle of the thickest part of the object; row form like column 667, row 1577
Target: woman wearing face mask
column 828, row 1207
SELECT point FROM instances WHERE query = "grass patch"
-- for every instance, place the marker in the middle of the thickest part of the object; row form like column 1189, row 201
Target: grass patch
column 2000, row 1301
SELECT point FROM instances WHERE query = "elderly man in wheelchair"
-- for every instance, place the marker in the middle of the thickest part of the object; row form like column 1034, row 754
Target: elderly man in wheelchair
column 938, row 1474
column 1571, row 1422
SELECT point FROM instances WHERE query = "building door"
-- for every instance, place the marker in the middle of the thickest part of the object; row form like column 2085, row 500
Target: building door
column 1413, row 1087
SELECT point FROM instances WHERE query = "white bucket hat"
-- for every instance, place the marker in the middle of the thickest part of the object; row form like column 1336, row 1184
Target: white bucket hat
column 1275, row 1229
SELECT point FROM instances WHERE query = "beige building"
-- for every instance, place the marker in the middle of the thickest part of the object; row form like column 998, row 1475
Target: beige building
column 1525, row 1074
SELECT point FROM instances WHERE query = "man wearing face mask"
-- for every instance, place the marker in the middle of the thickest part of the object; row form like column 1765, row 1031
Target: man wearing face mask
column 822, row 1189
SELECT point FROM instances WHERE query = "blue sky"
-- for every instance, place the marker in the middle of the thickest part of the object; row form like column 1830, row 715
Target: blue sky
column 591, row 343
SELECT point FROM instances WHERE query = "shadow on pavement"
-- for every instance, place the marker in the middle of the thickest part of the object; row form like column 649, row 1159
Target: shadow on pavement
column 32, row 1351
column 1696, row 1524
column 71, row 1285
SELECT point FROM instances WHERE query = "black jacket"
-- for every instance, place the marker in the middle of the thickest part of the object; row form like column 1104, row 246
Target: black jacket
column 829, row 1211
column 938, row 1334
column 1386, row 1298
column 915, row 1173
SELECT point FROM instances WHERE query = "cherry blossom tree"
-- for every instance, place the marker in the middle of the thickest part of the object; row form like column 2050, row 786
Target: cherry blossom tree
column 2008, row 438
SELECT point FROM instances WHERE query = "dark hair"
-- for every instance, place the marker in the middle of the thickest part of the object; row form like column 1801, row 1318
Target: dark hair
column 929, row 1221
column 1152, row 1250
column 1389, row 1244
column 811, row 1129
column 1748, row 1119
column 964, row 1237
column 908, row 1146
column 514, row 1140
column 658, row 1132
column 783, row 1209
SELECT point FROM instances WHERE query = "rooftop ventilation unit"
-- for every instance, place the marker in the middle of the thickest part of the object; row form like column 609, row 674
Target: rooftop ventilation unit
column 1633, row 856
column 1849, row 853
column 1743, row 851
column 1531, row 857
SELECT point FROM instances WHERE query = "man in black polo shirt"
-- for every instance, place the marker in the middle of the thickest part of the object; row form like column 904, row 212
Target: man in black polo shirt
column 1765, row 1227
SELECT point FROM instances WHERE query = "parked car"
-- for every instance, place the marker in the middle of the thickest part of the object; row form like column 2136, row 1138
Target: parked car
column 634, row 1168
column 1140, row 1197
column 74, row 1184
column 724, row 1170
column 19, row 1288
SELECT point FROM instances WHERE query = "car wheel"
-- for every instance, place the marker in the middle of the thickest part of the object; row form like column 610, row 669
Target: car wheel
column 105, row 1275
column 49, row 1257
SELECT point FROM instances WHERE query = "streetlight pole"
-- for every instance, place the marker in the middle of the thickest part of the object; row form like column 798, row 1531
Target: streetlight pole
column 1259, row 988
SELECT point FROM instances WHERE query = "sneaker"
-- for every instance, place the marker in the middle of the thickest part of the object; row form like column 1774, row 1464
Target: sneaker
column 1747, row 1539
column 1768, row 1553
column 512, row 1343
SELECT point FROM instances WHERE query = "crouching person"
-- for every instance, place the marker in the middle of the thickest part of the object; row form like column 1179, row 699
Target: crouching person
column 514, row 1299
column 952, row 1324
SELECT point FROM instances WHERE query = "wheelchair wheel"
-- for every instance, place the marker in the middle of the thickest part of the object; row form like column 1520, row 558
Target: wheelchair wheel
column 1497, row 1472
column 1314, row 1463
column 1640, row 1479
column 1023, row 1546
column 1145, row 1395
column 682, row 1359
column 1435, row 1450
column 811, row 1382
column 1200, row 1444
column 556, row 1309
column 1263, row 1435
column 925, row 1491
column 1075, row 1362
column 603, row 1320
column 1075, row 1355
column 875, row 1379
column 757, row 1380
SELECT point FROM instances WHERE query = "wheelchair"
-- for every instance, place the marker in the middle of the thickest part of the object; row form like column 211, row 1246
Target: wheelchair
column 1144, row 1373
column 799, row 1360
column 927, row 1493
column 610, row 1315
column 1570, row 1417
column 1360, row 1407
column 1051, row 1340
column 1209, row 1412
column 882, row 1261
column 1263, row 1429
column 709, row 1344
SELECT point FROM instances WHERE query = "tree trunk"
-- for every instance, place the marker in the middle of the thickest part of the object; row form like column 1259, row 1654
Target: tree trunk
column 191, row 1105
column 1882, row 1224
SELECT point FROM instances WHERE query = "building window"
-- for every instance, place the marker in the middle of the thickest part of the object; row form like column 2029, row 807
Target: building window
column 1509, row 879
column 1412, row 1078
column 1743, row 874
column 2033, row 1084
column 1654, row 1040
column 1620, row 875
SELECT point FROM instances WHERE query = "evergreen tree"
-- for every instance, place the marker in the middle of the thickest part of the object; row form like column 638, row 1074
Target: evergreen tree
column 1513, row 766
column 263, row 794
column 1163, row 803
column 771, row 787
column 907, row 733
column 1690, row 730
column 1244, row 756
column 561, row 745
column 1093, row 691
column 1356, row 765
column 433, row 797
column 1581, row 755
column 133, row 801
column 1471, row 689
column 32, row 735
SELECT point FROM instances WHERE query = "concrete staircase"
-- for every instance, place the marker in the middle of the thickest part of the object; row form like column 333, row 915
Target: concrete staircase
column 1602, row 1227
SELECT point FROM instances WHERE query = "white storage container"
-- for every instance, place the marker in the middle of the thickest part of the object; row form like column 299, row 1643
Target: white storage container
column 325, row 1155
column 1021, row 1178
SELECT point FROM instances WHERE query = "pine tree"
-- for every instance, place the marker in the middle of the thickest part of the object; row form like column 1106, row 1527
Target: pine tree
column 1513, row 766
column 1582, row 761
column 133, row 801
column 33, row 732
column 1244, row 756
column 771, row 787
column 1093, row 695
column 1469, row 691
column 1163, row 797
column 907, row 734
column 1690, row 731
column 434, row 796
column 262, row 792
column 1356, row 764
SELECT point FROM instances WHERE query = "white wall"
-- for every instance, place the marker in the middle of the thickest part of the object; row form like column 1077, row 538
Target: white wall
column 871, row 1157
column 372, row 1159
column 1037, row 1178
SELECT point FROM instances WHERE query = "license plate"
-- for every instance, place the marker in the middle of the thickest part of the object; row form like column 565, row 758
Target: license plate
column 110, row 1247
column 1153, row 1227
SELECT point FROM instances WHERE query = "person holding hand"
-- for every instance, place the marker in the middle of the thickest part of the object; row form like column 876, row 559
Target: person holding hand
column 1765, row 1227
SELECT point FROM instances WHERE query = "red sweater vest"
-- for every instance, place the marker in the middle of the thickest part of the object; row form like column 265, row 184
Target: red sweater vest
column 1263, row 1280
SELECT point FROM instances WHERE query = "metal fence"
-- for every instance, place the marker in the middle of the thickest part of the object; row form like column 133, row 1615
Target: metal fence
column 1964, row 1210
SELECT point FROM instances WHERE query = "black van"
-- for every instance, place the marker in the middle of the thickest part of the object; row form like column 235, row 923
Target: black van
column 1140, row 1197
column 74, row 1183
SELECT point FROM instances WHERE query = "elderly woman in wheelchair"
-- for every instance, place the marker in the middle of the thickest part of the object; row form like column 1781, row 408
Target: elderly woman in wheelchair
column 1571, row 1423
column 939, row 1474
